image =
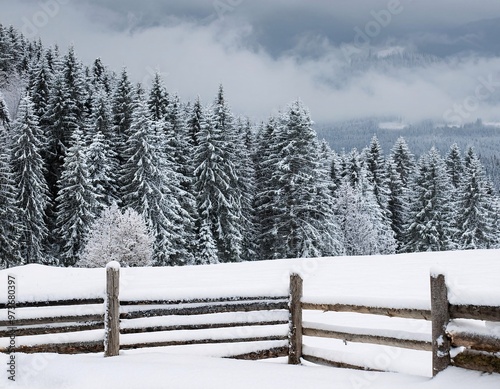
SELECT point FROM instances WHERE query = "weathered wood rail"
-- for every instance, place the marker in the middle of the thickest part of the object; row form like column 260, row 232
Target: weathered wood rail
column 116, row 322
column 480, row 349
column 123, row 324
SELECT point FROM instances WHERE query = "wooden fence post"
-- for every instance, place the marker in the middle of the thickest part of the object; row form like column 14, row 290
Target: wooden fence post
column 112, row 313
column 440, row 318
column 295, row 332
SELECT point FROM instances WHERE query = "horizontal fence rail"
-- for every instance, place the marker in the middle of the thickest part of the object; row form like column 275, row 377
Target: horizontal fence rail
column 109, row 325
column 403, row 313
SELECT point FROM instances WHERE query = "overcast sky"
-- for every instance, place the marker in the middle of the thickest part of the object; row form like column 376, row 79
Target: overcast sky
column 267, row 53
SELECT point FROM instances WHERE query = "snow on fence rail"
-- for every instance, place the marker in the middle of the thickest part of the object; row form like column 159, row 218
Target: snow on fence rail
column 477, row 353
column 110, row 325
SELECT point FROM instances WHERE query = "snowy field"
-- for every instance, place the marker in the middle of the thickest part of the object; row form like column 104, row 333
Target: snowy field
column 390, row 281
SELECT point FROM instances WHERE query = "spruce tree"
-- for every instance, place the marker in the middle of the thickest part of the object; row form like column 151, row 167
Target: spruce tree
column 216, row 194
column 455, row 166
column 377, row 174
column 217, row 187
column 267, row 190
column 431, row 224
column 122, row 110
column 400, row 168
column 9, row 226
column 246, row 179
column 158, row 100
column 29, row 181
column 40, row 89
column 403, row 160
column 305, row 223
column 476, row 219
column 77, row 203
column 147, row 188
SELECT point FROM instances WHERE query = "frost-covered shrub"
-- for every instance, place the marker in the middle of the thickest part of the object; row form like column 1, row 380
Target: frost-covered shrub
column 117, row 236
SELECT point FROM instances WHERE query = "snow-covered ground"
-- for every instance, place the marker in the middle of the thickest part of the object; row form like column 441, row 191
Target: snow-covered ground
column 391, row 281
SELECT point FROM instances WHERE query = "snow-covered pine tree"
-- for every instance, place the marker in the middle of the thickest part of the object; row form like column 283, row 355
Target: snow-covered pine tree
column 62, row 118
column 335, row 171
column 9, row 227
column 216, row 187
column 403, row 160
column 117, row 236
column 431, row 222
column 305, row 223
column 267, row 190
column 146, row 182
column 39, row 87
column 78, row 204
column 476, row 220
column 72, row 71
column 122, row 110
column 352, row 164
column 102, row 171
column 455, row 165
column 377, row 174
column 158, row 100
column 29, row 181
column 401, row 168
column 100, row 78
column 397, row 204
column 246, row 179
column 180, row 154
column 193, row 122
column 216, row 182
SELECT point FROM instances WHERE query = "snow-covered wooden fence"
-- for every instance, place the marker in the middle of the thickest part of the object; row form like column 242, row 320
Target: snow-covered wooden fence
column 111, row 324
column 478, row 351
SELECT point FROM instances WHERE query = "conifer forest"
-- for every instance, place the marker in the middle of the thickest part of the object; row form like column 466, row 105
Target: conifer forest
column 84, row 150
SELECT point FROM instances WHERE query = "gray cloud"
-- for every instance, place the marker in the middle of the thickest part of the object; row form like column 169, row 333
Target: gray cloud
column 268, row 53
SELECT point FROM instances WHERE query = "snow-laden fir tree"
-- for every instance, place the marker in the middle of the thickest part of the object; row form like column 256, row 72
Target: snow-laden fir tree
column 78, row 204
column 40, row 89
column 352, row 165
column 29, row 181
column 377, row 174
column 117, row 236
column 455, row 165
column 122, row 110
column 400, row 168
column 244, row 143
column 398, row 203
column 432, row 214
column 102, row 153
column 179, row 152
column 335, row 171
column 305, row 223
column 100, row 77
column 476, row 220
column 193, row 122
column 158, row 100
column 61, row 119
column 216, row 193
column 102, row 171
column 266, row 188
column 146, row 181
column 403, row 160
column 216, row 183
column 9, row 227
